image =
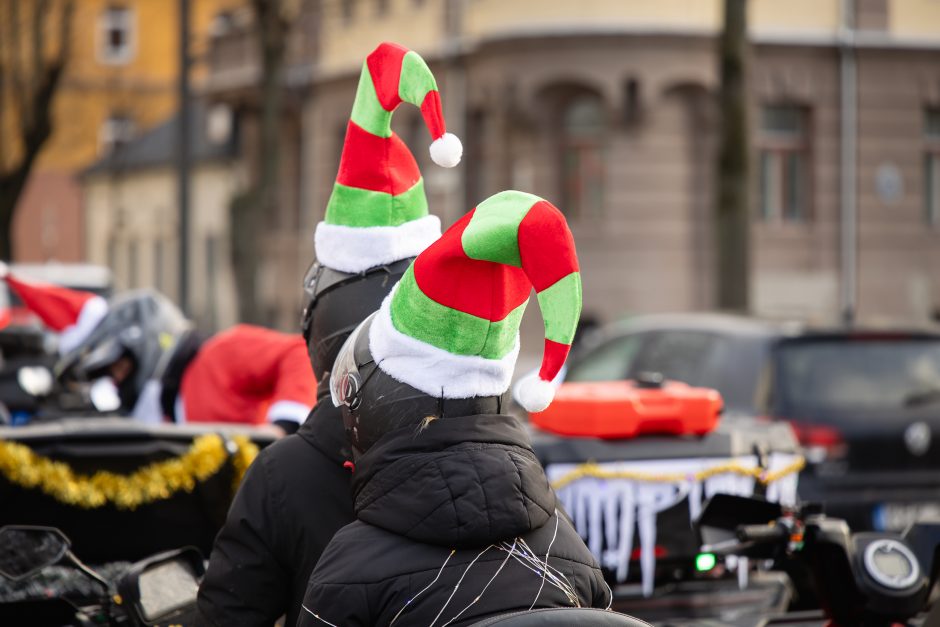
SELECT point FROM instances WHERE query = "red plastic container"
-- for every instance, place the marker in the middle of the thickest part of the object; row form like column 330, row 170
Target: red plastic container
column 625, row 409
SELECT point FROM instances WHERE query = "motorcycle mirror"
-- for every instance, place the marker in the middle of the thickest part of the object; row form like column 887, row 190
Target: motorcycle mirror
column 35, row 380
column 163, row 587
column 26, row 550
column 724, row 513
column 104, row 395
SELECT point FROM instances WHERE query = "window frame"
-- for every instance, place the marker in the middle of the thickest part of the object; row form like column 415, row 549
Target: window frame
column 781, row 146
column 109, row 137
column 592, row 145
column 104, row 53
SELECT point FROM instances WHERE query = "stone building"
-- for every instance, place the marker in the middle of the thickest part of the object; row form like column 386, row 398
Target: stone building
column 607, row 108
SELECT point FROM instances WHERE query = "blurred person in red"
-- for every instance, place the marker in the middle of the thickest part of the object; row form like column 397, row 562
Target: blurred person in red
column 143, row 356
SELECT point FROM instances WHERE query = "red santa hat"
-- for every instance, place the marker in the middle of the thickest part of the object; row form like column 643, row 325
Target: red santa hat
column 71, row 313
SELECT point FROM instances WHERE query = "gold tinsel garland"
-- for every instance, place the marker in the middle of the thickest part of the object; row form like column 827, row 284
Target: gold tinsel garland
column 598, row 472
column 160, row 480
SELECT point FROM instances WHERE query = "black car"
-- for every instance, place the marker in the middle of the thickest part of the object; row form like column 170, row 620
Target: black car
column 865, row 404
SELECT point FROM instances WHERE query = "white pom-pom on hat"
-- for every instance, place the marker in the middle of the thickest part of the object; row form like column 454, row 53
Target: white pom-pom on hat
column 535, row 394
column 446, row 150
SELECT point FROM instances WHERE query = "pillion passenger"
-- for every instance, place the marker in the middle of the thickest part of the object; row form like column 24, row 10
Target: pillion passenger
column 456, row 520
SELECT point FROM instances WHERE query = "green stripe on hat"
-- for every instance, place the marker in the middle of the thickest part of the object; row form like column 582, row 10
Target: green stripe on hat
column 451, row 330
column 561, row 307
column 367, row 111
column 371, row 208
column 493, row 231
column 416, row 79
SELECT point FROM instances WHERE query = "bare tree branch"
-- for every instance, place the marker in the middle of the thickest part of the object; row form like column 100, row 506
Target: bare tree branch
column 15, row 67
column 35, row 122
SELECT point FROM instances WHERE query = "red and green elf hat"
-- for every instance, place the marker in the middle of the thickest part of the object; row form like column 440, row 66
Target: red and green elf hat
column 378, row 212
column 450, row 328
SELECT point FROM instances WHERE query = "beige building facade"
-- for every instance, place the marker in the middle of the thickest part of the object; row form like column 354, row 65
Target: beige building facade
column 132, row 219
column 607, row 108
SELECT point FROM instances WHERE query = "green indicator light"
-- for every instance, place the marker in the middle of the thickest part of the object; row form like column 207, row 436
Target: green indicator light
column 704, row 561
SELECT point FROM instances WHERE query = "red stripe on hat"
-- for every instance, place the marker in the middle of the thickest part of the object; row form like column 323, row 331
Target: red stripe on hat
column 484, row 289
column 385, row 67
column 553, row 359
column 379, row 164
column 58, row 307
column 433, row 114
column 546, row 246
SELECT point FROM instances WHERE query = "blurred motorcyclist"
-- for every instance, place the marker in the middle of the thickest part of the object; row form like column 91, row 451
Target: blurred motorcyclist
column 163, row 369
column 296, row 494
column 456, row 520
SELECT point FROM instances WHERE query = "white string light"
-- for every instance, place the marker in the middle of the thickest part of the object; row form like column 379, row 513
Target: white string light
column 479, row 596
column 317, row 616
column 545, row 570
column 423, row 590
column 460, row 581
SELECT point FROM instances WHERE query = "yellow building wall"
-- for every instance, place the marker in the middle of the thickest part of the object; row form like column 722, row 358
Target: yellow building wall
column 144, row 88
column 344, row 45
column 808, row 17
column 488, row 17
column 421, row 25
column 916, row 19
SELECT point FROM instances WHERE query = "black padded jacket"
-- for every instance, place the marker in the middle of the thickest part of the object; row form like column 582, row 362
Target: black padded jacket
column 293, row 498
column 454, row 525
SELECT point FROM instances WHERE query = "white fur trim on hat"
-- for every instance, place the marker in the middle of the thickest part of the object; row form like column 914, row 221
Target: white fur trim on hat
column 446, row 150
column 356, row 249
column 432, row 370
column 91, row 314
column 289, row 410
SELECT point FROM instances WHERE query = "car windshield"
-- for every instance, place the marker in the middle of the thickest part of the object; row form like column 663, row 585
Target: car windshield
column 859, row 374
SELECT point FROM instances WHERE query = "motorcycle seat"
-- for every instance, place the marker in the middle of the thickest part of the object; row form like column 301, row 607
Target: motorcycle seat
column 558, row 616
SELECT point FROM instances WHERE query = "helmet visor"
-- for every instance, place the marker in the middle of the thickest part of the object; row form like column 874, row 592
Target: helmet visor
column 345, row 380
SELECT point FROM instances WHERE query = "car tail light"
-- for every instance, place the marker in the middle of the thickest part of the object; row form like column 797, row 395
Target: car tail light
column 820, row 442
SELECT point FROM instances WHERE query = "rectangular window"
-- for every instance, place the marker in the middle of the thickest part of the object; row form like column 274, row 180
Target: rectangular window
column 783, row 143
column 118, row 129
column 116, row 35
column 932, row 166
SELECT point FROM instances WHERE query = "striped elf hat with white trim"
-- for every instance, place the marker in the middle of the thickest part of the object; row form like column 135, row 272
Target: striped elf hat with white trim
column 378, row 212
column 450, row 328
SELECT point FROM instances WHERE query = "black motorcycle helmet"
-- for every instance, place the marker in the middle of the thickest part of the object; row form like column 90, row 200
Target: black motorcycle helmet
column 373, row 403
column 336, row 302
column 142, row 325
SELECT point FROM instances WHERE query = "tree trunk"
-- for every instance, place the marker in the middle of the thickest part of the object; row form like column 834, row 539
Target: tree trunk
column 732, row 215
column 251, row 211
column 34, row 80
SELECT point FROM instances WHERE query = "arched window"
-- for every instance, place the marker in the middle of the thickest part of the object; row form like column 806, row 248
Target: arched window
column 583, row 130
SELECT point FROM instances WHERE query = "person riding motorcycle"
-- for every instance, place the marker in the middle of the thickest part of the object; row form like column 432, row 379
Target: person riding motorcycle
column 163, row 369
column 296, row 494
column 456, row 520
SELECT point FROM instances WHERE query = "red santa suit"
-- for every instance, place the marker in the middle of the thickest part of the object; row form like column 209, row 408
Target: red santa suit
column 248, row 374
